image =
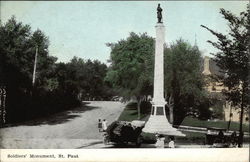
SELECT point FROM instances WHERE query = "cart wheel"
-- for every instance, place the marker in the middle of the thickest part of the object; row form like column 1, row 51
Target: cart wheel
column 105, row 139
column 138, row 141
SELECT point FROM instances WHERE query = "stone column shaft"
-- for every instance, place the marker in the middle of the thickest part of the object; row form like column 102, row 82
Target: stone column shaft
column 158, row 95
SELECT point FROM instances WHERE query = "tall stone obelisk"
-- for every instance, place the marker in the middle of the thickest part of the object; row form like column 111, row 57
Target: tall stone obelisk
column 158, row 123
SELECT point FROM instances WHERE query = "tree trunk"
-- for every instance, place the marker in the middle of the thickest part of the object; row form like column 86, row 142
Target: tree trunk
column 171, row 110
column 171, row 114
column 138, row 108
column 230, row 118
column 240, row 141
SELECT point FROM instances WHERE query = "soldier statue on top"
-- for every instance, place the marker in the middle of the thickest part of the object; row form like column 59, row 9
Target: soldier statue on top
column 159, row 15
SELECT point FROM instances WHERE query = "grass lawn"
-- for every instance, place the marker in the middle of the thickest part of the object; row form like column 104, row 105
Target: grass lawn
column 130, row 113
column 234, row 126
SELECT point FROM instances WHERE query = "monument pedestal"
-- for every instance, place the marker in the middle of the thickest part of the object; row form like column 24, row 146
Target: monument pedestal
column 157, row 122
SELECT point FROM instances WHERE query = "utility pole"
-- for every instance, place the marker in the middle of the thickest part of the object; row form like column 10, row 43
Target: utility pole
column 34, row 71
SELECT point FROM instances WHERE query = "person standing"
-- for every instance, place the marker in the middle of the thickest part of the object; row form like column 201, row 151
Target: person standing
column 171, row 143
column 100, row 125
column 221, row 137
column 162, row 141
column 104, row 125
column 157, row 144
column 234, row 139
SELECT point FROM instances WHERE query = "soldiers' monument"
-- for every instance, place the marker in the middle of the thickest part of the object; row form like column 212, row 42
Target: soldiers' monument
column 158, row 123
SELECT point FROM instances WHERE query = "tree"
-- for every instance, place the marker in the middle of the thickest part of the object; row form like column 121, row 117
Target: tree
column 15, row 54
column 96, row 85
column 17, row 48
column 83, row 78
column 131, row 70
column 233, row 59
column 183, row 80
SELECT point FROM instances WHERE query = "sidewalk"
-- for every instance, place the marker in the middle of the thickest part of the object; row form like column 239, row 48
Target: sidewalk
column 131, row 146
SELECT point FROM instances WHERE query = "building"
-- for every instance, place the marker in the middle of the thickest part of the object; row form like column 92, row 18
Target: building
column 210, row 69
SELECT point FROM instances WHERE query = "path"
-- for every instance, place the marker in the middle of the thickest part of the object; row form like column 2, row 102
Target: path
column 72, row 129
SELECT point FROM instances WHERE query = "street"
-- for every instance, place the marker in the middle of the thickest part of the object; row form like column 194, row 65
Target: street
column 72, row 129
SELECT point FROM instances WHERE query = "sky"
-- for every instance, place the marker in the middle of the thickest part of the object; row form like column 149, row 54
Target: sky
column 82, row 28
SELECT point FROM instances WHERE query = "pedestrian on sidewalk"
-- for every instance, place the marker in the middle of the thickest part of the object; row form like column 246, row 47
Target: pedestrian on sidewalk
column 100, row 125
column 171, row 142
column 157, row 144
column 159, row 140
column 221, row 137
column 234, row 139
column 104, row 125
column 162, row 141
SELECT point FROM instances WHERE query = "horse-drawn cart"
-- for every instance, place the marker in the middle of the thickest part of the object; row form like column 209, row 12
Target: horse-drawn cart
column 123, row 132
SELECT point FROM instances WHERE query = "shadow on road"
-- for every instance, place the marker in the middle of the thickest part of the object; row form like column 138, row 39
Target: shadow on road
column 59, row 118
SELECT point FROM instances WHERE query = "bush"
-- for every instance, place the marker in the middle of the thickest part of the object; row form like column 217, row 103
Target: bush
column 145, row 107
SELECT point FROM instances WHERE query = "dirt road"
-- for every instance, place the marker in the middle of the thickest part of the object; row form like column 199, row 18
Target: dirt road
column 71, row 129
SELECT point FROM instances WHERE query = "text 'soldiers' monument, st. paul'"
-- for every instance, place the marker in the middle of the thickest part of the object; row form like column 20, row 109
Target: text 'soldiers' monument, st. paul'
column 157, row 122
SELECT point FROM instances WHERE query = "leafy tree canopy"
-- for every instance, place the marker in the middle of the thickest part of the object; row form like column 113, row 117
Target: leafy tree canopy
column 130, row 72
column 183, row 79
